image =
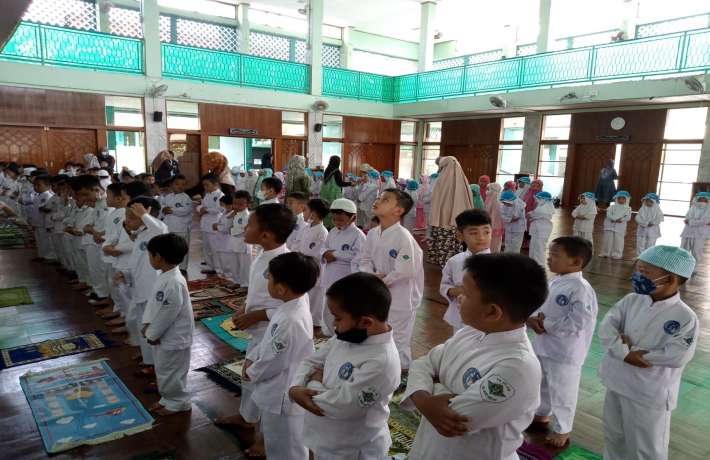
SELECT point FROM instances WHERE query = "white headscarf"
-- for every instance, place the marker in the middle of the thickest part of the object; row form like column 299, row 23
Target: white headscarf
column 91, row 161
column 699, row 211
column 589, row 207
column 616, row 211
column 544, row 208
column 649, row 214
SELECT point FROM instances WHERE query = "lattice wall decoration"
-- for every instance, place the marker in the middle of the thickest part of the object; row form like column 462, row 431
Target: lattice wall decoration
column 449, row 63
column 331, row 56
column 126, row 22
column 299, row 50
column 165, row 28
column 271, row 46
column 486, row 56
column 206, row 35
column 76, row 14
column 673, row 25
column 526, row 50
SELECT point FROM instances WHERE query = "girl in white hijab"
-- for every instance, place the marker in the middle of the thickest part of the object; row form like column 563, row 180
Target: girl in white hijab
column 584, row 215
column 697, row 226
column 617, row 216
column 648, row 219
column 492, row 207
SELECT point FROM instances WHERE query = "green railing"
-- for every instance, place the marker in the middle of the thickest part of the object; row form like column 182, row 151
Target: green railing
column 185, row 62
column 59, row 46
column 358, row 85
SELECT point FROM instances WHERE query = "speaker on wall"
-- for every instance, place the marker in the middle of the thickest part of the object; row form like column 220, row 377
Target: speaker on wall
column 317, row 127
column 157, row 116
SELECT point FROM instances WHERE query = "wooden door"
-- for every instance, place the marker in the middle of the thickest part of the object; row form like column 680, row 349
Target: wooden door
column 69, row 145
column 638, row 171
column 283, row 150
column 187, row 154
column 23, row 145
column 589, row 159
column 476, row 160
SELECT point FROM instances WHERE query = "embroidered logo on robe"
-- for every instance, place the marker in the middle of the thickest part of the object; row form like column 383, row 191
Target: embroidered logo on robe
column 562, row 300
column 116, row 220
column 688, row 341
column 143, row 245
column 367, row 397
column 266, row 273
column 312, row 245
column 470, row 377
column 278, row 346
column 214, row 199
column 273, row 329
column 159, row 296
column 393, row 253
column 345, row 371
column 345, row 247
column 178, row 205
column 405, row 257
column 496, row 389
column 239, row 221
column 671, row 327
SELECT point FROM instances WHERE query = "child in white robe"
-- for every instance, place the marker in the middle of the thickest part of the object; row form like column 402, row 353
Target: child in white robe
column 209, row 210
column 311, row 242
column 178, row 212
column 410, row 218
column 346, row 386
column 512, row 213
column 478, row 391
column 270, row 365
column 222, row 238
column 368, row 194
column 296, row 202
column 58, row 206
column 540, row 226
column 170, row 324
column 565, row 327
column 39, row 217
column 474, row 228
column 269, row 191
column 428, row 184
column 697, row 226
column 242, row 251
column 649, row 337
column 340, row 252
column 523, row 186
column 584, row 215
column 617, row 217
column 648, row 220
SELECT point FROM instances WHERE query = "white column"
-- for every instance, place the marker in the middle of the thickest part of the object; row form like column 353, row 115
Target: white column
column 315, row 139
column 346, row 50
column 315, row 42
column 426, row 35
column 531, row 143
column 629, row 18
column 543, row 21
column 244, row 28
column 156, row 132
column 151, row 37
column 704, row 169
column 510, row 40
column 103, row 17
column 419, row 150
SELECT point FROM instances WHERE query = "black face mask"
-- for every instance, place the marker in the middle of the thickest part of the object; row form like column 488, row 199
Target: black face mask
column 352, row 335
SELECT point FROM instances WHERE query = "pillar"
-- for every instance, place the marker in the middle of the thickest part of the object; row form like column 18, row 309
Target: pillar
column 151, row 39
column 531, row 143
column 104, row 18
column 426, row 35
column 244, row 28
column 510, row 41
column 543, row 21
column 156, row 132
column 315, row 139
column 419, row 149
column 346, row 50
column 629, row 18
column 315, row 42
column 704, row 169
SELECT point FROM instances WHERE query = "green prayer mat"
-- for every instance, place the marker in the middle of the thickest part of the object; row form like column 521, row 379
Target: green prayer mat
column 10, row 297
column 574, row 452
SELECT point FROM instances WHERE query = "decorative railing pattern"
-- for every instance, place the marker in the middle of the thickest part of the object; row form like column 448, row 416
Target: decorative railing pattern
column 60, row 46
column 352, row 84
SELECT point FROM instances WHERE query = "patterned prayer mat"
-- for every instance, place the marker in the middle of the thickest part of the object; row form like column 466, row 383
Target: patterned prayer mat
column 577, row 453
column 14, row 235
column 10, row 297
column 208, row 308
column 50, row 349
column 215, row 292
column 221, row 326
column 83, row 403
column 212, row 281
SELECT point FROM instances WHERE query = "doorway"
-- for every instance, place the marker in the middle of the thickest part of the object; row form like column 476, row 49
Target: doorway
column 243, row 152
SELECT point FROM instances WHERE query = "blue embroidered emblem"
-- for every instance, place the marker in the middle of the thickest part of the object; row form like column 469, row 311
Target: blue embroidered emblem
column 345, row 247
column 312, row 245
column 143, row 245
column 273, row 329
column 393, row 253
column 562, row 300
column 470, row 377
column 117, row 220
column 671, row 327
column 239, row 221
column 159, row 296
column 214, row 199
column 345, row 371
column 178, row 205
column 266, row 273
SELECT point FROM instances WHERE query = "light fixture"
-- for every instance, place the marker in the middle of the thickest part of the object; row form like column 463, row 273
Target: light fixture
column 694, row 84
column 569, row 96
column 497, row 101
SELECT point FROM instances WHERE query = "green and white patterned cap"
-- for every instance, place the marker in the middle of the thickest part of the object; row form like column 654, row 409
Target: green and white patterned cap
column 670, row 258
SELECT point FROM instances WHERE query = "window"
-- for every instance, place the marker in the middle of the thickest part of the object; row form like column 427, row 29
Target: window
column 556, row 127
column 685, row 124
column 406, row 161
column 293, row 123
column 332, row 126
column 124, row 111
column 183, row 115
column 408, row 131
column 431, row 153
column 332, row 149
column 512, row 129
column 432, row 131
column 552, row 161
column 128, row 148
column 509, row 158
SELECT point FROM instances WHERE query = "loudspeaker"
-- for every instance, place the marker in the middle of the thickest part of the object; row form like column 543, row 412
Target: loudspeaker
column 157, row 116
column 317, row 127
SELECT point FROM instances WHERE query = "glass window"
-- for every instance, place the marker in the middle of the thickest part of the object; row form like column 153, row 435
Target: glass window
column 408, row 131
column 128, row 148
column 551, row 167
column 556, row 127
column 509, row 158
column 332, row 149
column 406, row 162
column 272, row 18
column 431, row 153
column 512, row 129
column 293, row 123
column 333, row 126
column 432, row 131
column 124, row 111
column 183, row 115
column 679, row 169
column 686, row 123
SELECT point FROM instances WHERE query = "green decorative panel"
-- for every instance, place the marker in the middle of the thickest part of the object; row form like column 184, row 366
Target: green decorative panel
column 697, row 55
column 405, row 88
column 25, row 44
column 200, row 64
column 493, row 76
column 440, row 83
column 565, row 66
column 341, row 82
column 376, row 87
column 636, row 57
column 271, row 73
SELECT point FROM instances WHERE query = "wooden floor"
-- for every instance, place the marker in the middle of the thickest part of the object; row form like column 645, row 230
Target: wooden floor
column 59, row 312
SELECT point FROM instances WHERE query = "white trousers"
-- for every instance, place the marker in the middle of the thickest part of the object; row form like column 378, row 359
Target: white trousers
column 633, row 431
column 586, row 235
column 316, row 299
column 44, row 244
column 644, row 242
column 228, row 264
column 538, row 246
column 68, row 251
column 402, row 319
column 121, row 295
column 79, row 256
column 513, row 241
column 135, row 318
column 247, row 408
column 244, row 265
column 207, row 251
column 171, row 368
column 58, row 244
column 613, row 244
column 558, row 393
column 696, row 246
column 283, row 436
column 97, row 270
column 186, row 237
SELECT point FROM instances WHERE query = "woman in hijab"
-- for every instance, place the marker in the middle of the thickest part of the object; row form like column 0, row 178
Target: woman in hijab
column 483, row 182
column 332, row 187
column 477, row 199
column 510, row 185
column 90, row 161
column 219, row 165
column 164, row 166
column 297, row 180
column 450, row 197
column 529, row 197
column 492, row 206
column 606, row 189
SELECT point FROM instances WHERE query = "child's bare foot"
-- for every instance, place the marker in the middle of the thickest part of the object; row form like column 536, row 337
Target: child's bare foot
column 257, row 449
column 557, row 439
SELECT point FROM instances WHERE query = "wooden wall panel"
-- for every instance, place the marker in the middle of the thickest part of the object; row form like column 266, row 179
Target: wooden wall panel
column 638, row 171
column 469, row 132
column 583, row 173
column 68, row 145
column 216, row 119
column 642, row 126
column 21, row 144
column 476, row 160
column 379, row 156
column 284, row 149
column 38, row 107
column 371, row 130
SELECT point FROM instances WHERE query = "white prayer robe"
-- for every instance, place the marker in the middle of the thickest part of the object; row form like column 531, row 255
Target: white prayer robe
column 648, row 229
column 696, row 230
column 570, row 316
column 289, row 340
column 540, row 229
column 395, row 254
column 97, row 272
column 83, row 216
column 311, row 243
column 170, row 320
column 513, row 218
column 584, row 215
column 293, row 242
column 210, row 203
column 358, row 383
column 451, row 277
column 639, row 401
column 58, row 209
column 367, row 196
column 614, row 232
column 39, row 220
column 242, row 251
column 496, row 378
column 221, row 244
column 410, row 218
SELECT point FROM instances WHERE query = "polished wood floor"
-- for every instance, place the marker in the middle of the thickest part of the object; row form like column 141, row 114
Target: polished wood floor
column 59, row 312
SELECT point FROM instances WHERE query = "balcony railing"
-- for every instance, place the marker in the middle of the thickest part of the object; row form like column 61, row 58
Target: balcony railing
column 50, row 45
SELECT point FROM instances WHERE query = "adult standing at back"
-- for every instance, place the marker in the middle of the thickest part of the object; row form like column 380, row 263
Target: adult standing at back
column 297, row 180
column 450, row 197
column 332, row 187
column 606, row 188
column 165, row 166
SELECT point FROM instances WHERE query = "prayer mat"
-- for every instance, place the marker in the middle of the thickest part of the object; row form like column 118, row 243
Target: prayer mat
column 14, row 296
column 403, row 428
column 208, row 308
column 83, row 403
column 574, row 452
column 215, row 292
column 221, row 326
column 50, row 349
column 235, row 302
column 212, row 281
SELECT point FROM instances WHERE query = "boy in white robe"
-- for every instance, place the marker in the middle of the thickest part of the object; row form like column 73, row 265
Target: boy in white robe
column 94, row 227
column 584, row 215
column 649, row 337
column 648, row 221
column 209, row 210
column 270, row 365
column 39, row 217
column 57, row 206
column 391, row 253
column 478, row 391
column 473, row 227
column 340, row 252
column 346, row 386
column 565, row 327
column 116, row 201
column 296, row 202
column 697, row 227
column 269, row 191
column 86, row 189
column 410, row 218
column 311, row 242
column 170, row 324
column 540, row 223
column 512, row 213
column 221, row 237
column 242, row 250
column 368, row 194
column 178, row 212
column 617, row 216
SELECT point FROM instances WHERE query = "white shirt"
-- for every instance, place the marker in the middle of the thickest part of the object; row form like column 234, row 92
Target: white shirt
column 210, row 203
column 346, row 245
column 96, row 219
column 58, row 209
column 668, row 329
column 294, row 239
column 143, row 274
column 617, row 212
column 36, row 217
column 239, row 224
column 274, row 200
column 289, row 340
column 649, row 220
column 224, row 228
column 358, row 382
column 541, row 219
column 570, row 316
column 517, row 211
column 179, row 220
column 83, row 216
column 395, row 254
column 496, row 378
column 169, row 312
column 312, row 240
column 125, row 245
column 113, row 226
column 587, row 212
column 451, row 277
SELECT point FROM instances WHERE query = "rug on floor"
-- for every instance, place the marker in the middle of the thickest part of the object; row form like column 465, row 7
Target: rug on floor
column 221, row 326
column 574, row 452
column 9, row 297
column 14, row 235
column 209, row 308
column 214, row 292
column 50, row 349
column 83, row 403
